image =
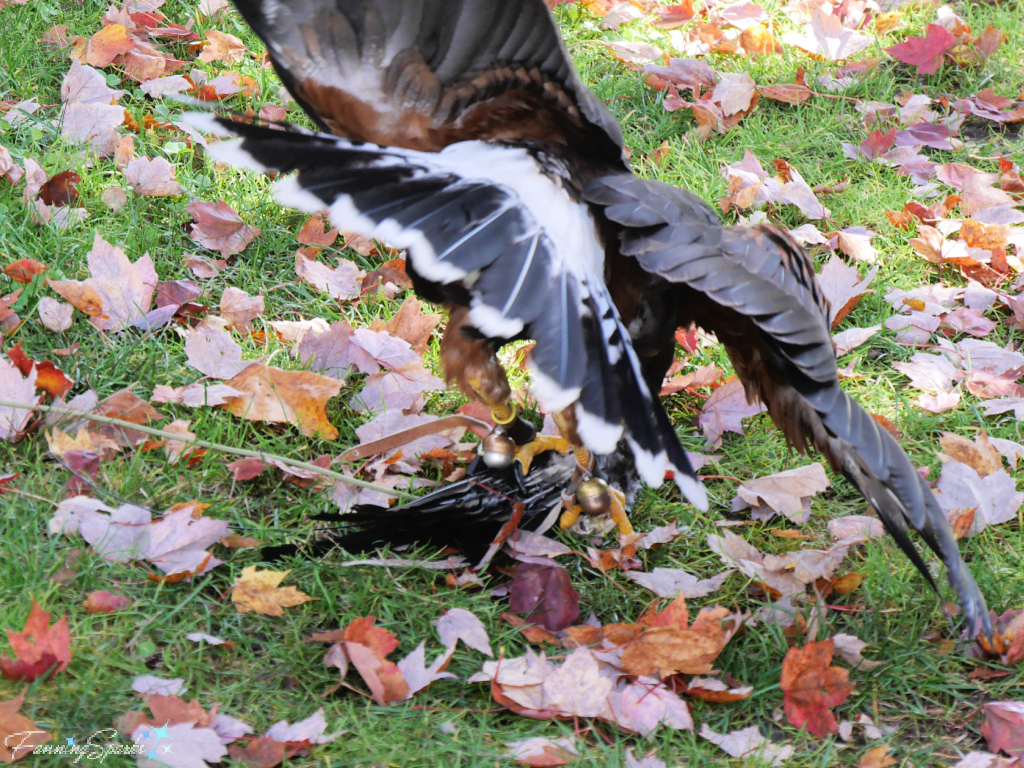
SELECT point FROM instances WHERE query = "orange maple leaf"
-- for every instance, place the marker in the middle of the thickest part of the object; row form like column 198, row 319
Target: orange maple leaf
column 811, row 686
column 40, row 649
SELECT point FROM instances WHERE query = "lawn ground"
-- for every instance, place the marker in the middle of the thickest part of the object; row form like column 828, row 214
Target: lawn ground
column 273, row 673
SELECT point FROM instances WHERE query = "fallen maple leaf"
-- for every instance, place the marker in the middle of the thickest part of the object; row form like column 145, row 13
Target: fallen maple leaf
column 152, row 177
column 460, row 624
column 1004, row 727
column 86, row 85
column 849, row 647
column 635, row 54
column 810, row 687
column 855, row 242
column 240, row 309
column 1010, row 450
column 61, row 189
column 981, row 455
column 50, row 379
column 788, row 186
column 195, row 735
column 105, row 602
column 748, row 743
column 409, row 323
column 176, row 543
column 367, row 647
column 825, row 37
column 151, row 684
column 540, row 752
column 314, row 232
column 531, row 632
column 19, row 736
column 282, row 740
column 673, row 582
column 758, row 40
column 418, row 675
column 342, row 282
column 220, row 46
column 171, row 85
column 791, row 93
column 216, row 226
column 399, row 389
column 107, row 44
column 668, row 646
column 788, row 493
column 290, row 397
column 212, row 351
column 545, row 595
column 94, row 124
column 114, row 198
column 725, row 410
column 9, row 169
column 688, row 73
column 929, row 373
column 851, row 338
column 787, row 574
column 986, row 760
column 40, row 649
column 35, row 178
column 118, row 291
column 994, row 497
column 877, row 757
column 710, row 689
column 734, row 92
column 847, row 527
column 259, row 591
column 14, row 388
column 975, row 187
column 926, row 52
column 175, row 449
column 331, row 352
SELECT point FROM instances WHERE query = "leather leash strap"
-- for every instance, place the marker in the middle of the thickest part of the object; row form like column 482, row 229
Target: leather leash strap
column 398, row 439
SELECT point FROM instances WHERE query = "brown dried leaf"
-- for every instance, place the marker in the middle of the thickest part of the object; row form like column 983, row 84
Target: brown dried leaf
column 217, row 227
column 260, row 591
column 107, row 44
column 291, row 397
column 725, row 410
column 152, row 177
column 220, row 46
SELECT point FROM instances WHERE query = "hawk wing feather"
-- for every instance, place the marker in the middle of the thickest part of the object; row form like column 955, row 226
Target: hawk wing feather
column 423, row 74
column 491, row 221
column 755, row 289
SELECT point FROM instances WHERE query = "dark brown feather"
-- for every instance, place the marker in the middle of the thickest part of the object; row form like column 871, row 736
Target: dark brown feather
column 471, row 361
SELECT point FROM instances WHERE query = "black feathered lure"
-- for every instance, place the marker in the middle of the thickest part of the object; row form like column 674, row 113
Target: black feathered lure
column 467, row 514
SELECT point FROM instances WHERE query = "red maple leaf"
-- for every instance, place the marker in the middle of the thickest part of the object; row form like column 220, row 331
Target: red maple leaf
column 1004, row 727
column 811, row 686
column 39, row 649
column 545, row 595
column 926, row 52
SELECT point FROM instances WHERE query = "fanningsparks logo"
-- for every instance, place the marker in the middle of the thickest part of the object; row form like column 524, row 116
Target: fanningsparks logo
column 97, row 746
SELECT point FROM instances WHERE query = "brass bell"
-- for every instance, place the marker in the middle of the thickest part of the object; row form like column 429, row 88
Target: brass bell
column 499, row 449
column 593, row 496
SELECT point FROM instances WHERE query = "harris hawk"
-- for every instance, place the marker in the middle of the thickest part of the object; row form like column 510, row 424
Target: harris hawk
column 460, row 131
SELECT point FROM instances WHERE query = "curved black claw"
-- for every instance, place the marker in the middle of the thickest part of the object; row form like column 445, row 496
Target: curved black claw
column 519, row 477
column 521, row 431
column 977, row 618
column 476, row 466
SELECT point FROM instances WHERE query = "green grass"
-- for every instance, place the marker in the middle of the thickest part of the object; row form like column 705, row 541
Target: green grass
column 273, row 673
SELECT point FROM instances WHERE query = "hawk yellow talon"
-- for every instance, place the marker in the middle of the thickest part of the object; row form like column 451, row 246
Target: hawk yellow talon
column 525, row 453
column 569, row 517
column 618, row 512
